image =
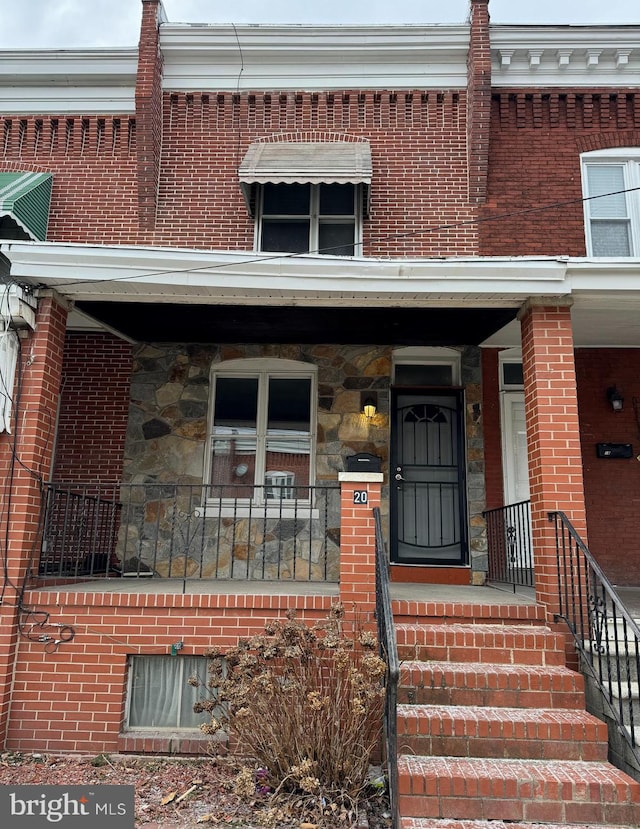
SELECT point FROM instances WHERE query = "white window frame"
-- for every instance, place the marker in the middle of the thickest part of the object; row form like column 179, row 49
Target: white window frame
column 263, row 368
column 512, row 356
column 181, row 684
column 627, row 158
column 430, row 356
column 314, row 218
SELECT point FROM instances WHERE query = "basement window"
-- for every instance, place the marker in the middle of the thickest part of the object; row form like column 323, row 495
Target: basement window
column 612, row 202
column 159, row 695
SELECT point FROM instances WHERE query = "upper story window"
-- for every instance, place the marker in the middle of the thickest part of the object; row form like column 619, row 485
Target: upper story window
column 308, row 196
column 612, row 206
column 302, row 218
column 262, row 430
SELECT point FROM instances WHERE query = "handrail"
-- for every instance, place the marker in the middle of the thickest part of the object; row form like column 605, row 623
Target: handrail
column 606, row 636
column 389, row 650
column 509, row 546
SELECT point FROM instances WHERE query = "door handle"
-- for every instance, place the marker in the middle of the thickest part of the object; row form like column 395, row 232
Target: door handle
column 398, row 475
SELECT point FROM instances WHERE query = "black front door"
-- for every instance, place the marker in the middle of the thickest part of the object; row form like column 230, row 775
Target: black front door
column 428, row 505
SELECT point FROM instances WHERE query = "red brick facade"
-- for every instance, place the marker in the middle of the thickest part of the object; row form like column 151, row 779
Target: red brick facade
column 536, row 141
column 442, row 160
column 94, row 408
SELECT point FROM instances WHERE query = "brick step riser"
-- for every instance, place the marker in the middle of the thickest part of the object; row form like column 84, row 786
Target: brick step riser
column 518, row 803
column 480, row 653
column 536, row 813
column 422, row 684
column 534, row 745
column 494, row 698
column 487, row 643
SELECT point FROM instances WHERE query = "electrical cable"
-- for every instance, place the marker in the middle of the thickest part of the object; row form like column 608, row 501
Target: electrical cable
column 383, row 238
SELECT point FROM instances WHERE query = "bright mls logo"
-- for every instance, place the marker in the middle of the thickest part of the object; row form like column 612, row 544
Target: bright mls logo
column 32, row 807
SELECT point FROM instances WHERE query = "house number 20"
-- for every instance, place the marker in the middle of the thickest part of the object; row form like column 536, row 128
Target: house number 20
column 360, row 496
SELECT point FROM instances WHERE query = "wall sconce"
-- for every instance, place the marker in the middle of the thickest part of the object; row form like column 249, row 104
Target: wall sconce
column 615, row 398
column 369, row 404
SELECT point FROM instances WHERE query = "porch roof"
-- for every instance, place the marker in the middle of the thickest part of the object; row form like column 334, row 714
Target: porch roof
column 106, row 281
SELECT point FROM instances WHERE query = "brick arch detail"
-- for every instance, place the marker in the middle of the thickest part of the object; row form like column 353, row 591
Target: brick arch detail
column 608, row 140
column 309, row 136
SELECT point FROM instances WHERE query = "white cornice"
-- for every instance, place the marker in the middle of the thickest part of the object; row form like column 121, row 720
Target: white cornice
column 62, row 81
column 565, row 56
column 272, row 58
column 313, row 57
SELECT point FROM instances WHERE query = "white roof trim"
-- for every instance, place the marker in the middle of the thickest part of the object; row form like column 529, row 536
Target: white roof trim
column 312, row 58
column 565, row 56
column 64, row 81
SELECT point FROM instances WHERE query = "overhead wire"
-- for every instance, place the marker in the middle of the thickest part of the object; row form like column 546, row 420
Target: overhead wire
column 270, row 257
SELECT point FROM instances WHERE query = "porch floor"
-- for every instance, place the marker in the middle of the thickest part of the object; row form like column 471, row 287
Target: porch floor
column 409, row 592
column 468, row 594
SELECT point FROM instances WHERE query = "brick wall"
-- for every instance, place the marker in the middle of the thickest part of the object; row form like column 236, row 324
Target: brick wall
column 612, row 487
column 74, row 699
column 94, row 408
column 418, row 147
column 418, row 143
column 534, row 160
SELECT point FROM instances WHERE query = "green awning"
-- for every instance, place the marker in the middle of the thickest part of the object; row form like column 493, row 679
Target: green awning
column 25, row 198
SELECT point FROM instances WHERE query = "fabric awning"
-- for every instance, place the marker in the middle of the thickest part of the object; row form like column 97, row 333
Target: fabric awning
column 308, row 162
column 25, row 198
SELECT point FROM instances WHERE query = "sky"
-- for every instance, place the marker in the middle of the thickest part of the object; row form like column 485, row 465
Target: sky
column 59, row 24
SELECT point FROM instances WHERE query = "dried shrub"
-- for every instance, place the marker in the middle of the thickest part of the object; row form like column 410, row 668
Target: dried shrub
column 306, row 704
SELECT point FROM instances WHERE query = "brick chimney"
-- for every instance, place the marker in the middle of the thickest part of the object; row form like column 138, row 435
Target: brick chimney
column 149, row 112
column 478, row 101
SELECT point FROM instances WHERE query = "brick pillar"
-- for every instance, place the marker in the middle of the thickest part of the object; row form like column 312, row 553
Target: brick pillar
column 35, row 405
column 358, row 542
column 553, row 436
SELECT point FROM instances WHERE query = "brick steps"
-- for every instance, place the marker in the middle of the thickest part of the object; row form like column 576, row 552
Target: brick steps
column 517, row 790
column 473, row 731
column 510, row 686
column 487, row 643
column 493, row 732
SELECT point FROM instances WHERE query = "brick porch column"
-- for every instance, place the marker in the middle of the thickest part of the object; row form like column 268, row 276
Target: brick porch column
column 553, row 436
column 360, row 493
column 36, row 406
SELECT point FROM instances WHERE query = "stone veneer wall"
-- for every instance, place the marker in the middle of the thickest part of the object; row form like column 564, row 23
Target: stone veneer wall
column 169, row 407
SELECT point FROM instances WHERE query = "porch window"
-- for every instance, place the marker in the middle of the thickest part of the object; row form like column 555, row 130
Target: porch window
column 159, row 695
column 612, row 205
column 261, row 430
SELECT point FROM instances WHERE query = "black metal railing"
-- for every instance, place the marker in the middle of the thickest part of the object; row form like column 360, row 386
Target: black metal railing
column 606, row 637
column 509, row 545
column 191, row 532
column 389, row 651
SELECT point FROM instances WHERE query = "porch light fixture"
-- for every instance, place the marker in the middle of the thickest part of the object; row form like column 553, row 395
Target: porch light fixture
column 615, row 398
column 369, row 406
